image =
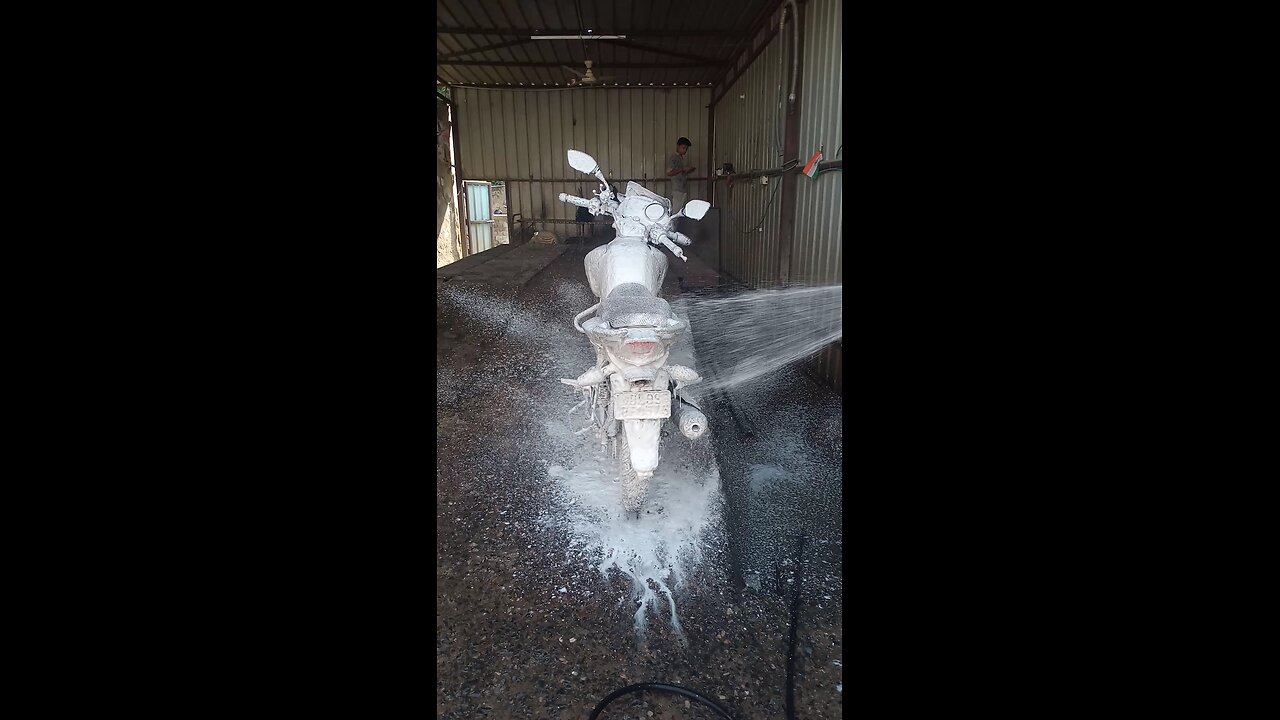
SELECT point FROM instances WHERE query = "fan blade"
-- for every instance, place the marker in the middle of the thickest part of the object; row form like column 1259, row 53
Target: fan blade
column 575, row 72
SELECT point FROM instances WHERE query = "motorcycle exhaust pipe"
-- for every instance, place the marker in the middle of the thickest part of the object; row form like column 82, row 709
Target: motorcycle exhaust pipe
column 693, row 424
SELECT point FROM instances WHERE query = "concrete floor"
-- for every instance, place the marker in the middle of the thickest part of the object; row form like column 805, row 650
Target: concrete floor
column 511, row 641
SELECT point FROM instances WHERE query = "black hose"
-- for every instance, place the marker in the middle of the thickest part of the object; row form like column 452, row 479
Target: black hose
column 795, row 624
column 692, row 694
column 695, row 695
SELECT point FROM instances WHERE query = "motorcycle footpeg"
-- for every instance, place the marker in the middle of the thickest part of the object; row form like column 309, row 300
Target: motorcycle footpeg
column 590, row 378
column 576, row 385
column 683, row 375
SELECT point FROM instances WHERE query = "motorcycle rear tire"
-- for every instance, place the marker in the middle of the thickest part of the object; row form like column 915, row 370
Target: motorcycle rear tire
column 632, row 491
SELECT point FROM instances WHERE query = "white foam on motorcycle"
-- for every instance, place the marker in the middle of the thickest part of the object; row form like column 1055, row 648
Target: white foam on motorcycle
column 683, row 510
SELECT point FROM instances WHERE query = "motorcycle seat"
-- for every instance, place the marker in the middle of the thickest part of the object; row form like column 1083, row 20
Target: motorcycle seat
column 632, row 305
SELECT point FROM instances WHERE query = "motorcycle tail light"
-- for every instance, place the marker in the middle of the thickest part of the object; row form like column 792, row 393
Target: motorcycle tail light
column 640, row 346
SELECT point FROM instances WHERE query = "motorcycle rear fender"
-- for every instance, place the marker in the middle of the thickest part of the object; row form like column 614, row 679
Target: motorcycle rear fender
column 642, row 438
column 661, row 381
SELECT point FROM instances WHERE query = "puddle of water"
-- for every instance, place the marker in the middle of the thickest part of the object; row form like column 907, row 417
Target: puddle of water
column 684, row 507
column 751, row 336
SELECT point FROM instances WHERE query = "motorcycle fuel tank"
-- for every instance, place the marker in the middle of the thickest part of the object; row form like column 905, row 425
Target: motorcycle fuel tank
column 625, row 260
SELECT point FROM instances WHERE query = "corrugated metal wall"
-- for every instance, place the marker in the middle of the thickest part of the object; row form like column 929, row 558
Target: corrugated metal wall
column 816, row 250
column 522, row 135
column 519, row 135
column 749, row 134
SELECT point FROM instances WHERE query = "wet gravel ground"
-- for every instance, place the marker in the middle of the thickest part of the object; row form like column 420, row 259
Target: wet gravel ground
column 510, row 642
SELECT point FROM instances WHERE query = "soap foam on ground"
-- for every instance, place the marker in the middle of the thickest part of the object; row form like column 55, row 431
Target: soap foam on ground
column 683, row 508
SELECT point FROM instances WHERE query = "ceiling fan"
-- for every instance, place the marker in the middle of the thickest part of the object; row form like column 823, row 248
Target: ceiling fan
column 587, row 78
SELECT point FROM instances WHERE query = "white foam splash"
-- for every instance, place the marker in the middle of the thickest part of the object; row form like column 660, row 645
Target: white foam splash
column 683, row 506
column 758, row 332
column 656, row 551
column 491, row 311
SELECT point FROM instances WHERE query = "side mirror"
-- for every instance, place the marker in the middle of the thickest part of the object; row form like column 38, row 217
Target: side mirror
column 696, row 209
column 582, row 162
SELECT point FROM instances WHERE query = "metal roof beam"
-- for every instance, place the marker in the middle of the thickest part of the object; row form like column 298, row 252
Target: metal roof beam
column 485, row 48
column 663, row 51
column 587, row 88
column 596, row 65
column 745, row 44
column 442, row 30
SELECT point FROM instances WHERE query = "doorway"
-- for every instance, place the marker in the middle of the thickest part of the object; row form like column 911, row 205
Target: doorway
column 479, row 216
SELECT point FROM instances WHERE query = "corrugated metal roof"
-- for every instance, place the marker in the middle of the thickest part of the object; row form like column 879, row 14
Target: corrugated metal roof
column 669, row 42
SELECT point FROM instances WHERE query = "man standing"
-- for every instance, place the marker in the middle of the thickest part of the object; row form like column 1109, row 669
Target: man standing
column 676, row 170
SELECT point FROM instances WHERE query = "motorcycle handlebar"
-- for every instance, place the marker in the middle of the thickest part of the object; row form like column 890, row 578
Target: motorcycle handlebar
column 574, row 200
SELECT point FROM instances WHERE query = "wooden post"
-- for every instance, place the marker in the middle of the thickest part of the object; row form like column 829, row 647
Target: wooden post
column 458, row 176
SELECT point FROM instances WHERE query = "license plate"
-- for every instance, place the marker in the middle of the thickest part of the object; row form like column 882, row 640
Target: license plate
column 642, row 405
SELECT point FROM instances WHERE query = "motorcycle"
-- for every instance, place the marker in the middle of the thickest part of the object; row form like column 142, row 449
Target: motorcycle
column 630, row 392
